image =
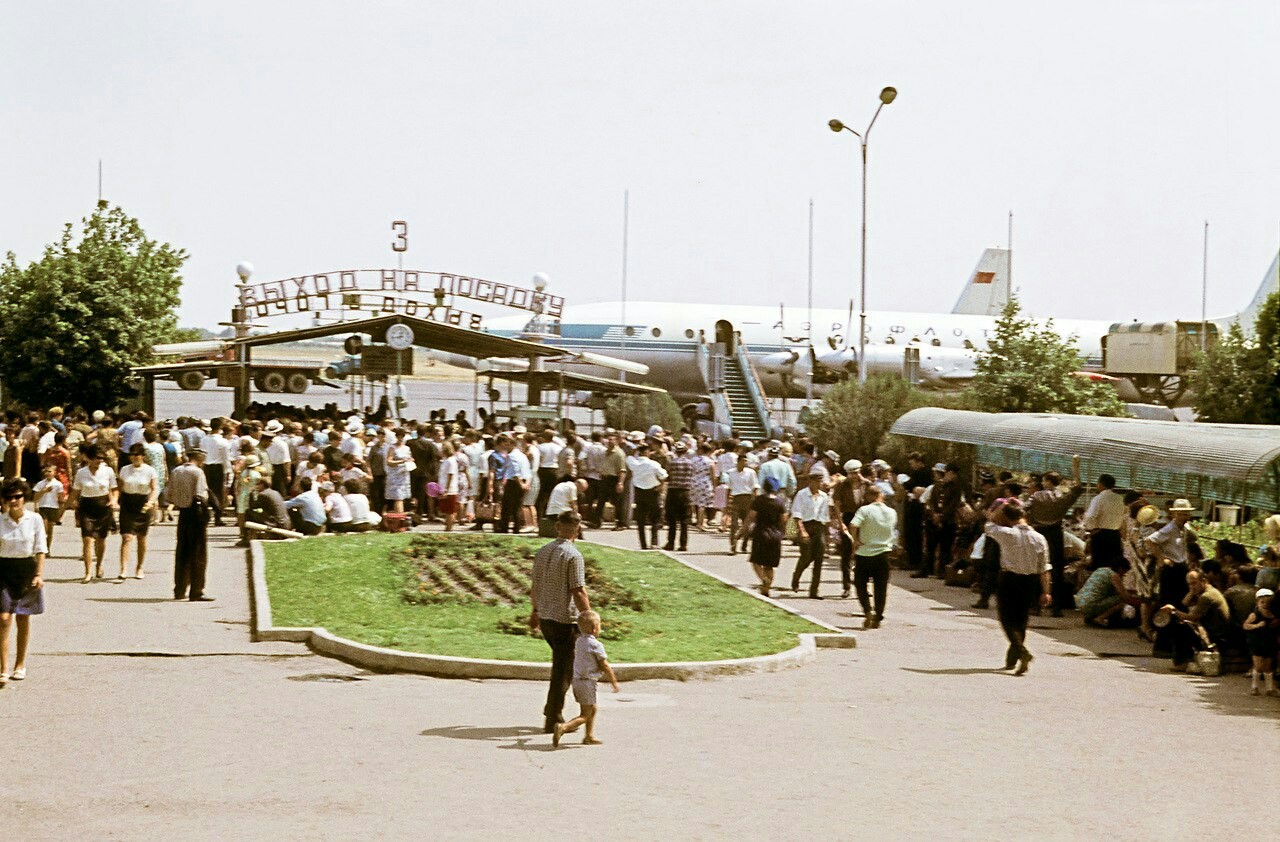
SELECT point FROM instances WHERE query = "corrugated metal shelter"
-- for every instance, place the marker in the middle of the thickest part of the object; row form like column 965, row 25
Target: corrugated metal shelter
column 1233, row 463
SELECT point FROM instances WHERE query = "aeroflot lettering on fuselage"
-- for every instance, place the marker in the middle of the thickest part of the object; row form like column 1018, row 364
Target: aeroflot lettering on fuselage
column 837, row 327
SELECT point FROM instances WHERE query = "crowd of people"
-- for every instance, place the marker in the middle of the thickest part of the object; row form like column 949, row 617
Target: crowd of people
column 1119, row 561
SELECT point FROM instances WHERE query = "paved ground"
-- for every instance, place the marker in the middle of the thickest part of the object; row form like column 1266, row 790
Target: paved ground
column 146, row 718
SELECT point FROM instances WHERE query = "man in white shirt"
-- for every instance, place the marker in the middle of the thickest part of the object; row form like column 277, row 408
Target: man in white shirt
column 743, row 485
column 278, row 454
column 1106, row 510
column 811, row 511
column 548, row 452
column 1024, row 574
column 564, row 497
column 217, row 457
column 647, row 477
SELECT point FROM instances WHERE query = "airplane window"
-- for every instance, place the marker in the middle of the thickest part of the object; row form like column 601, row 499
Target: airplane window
column 688, row 333
column 631, row 331
column 656, row 332
column 888, row 340
column 968, row 344
column 936, row 342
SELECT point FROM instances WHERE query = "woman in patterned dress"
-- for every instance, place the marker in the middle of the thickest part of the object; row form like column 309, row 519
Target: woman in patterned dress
column 703, row 491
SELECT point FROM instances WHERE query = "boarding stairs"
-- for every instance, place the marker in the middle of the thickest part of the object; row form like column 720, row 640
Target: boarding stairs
column 737, row 397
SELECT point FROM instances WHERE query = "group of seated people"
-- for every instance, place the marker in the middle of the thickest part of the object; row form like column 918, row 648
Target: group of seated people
column 317, row 507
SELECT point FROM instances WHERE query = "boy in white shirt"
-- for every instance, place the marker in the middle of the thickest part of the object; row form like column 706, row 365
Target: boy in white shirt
column 50, row 499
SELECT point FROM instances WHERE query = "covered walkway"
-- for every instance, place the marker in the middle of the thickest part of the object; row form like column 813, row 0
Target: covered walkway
column 1229, row 463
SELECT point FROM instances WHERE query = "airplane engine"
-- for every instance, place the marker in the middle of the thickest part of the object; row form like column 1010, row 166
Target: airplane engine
column 793, row 369
column 937, row 366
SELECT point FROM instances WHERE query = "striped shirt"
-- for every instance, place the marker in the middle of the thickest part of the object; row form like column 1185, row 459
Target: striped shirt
column 558, row 570
column 680, row 472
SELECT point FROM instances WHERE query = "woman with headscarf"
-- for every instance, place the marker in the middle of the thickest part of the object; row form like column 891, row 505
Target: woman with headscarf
column 765, row 524
column 93, row 496
column 22, row 552
column 139, row 490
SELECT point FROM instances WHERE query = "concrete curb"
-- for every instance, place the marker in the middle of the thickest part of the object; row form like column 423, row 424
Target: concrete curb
column 323, row 642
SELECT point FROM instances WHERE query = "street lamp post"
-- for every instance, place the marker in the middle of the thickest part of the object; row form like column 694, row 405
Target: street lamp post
column 886, row 96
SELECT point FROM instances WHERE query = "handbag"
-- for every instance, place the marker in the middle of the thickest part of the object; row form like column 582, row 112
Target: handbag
column 485, row 511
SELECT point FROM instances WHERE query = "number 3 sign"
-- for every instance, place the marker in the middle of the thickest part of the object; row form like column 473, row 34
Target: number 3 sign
column 401, row 242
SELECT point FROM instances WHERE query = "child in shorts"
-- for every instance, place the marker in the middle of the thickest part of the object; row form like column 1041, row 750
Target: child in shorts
column 1261, row 630
column 50, row 498
column 589, row 664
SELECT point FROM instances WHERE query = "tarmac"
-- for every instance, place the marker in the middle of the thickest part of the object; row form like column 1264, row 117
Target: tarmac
column 142, row 718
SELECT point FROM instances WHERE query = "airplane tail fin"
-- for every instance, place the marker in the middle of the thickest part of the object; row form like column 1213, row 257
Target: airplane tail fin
column 987, row 290
column 1270, row 283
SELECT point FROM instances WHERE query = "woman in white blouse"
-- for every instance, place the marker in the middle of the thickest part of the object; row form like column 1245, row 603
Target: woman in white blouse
column 93, row 496
column 23, row 548
column 139, row 491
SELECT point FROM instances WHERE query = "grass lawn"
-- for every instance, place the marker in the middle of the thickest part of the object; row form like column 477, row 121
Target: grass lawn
column 454, row 595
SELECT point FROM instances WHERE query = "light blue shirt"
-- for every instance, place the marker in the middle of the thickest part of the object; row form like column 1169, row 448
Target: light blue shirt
column 311, row 505
column 780, row 471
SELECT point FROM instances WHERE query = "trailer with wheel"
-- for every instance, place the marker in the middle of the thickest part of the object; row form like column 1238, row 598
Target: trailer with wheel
column 192, row 364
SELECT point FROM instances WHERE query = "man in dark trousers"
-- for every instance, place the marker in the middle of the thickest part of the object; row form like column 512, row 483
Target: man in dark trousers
column 919, row 478
column 1024, row 575
column 1045, row 510
column 944, row 508
column 559, row 594
column 188, row 491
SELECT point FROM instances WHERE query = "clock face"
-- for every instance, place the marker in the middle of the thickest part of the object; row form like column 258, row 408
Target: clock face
column 400, row 337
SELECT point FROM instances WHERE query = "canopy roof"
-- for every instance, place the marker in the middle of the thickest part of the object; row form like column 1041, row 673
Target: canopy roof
column 1236, row 452
column 427, row 334
column 578, row 382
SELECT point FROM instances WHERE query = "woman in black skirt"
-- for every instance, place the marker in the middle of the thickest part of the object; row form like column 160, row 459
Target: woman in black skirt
column 139, row 490
column 764, row 524
column 93, row 496
column 22, row 552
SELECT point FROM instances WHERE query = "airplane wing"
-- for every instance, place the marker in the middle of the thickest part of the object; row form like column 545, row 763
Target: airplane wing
column 987, row 290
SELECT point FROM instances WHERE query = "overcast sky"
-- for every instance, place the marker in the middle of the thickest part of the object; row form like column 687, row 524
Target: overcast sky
column 291, row 134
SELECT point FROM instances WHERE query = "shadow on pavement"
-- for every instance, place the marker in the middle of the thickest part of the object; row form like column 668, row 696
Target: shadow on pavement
column 1228, row 694
column 959, row 671
column 467, row 732
column 134, row 600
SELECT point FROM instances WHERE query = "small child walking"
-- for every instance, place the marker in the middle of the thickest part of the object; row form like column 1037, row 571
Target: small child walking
column 590, row 664
column 50, row 496
column 1261, row 629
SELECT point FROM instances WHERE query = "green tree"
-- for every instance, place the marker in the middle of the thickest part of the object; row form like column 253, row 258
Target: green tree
column 854, row 420
column 1238, row 380
column 74, row 321
column 632, row 412
column 1029, row 367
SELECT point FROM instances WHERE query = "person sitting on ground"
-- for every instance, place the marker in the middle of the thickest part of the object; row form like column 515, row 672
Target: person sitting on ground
column 353, row 468
column 267, row 508
column 363, row 518
column 336, row 508
column 1102, row 599
column 306, row 511
column 1240, row 596
column 1203, row 625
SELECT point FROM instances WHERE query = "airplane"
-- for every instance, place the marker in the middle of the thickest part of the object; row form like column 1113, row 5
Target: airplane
column 791, row 358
